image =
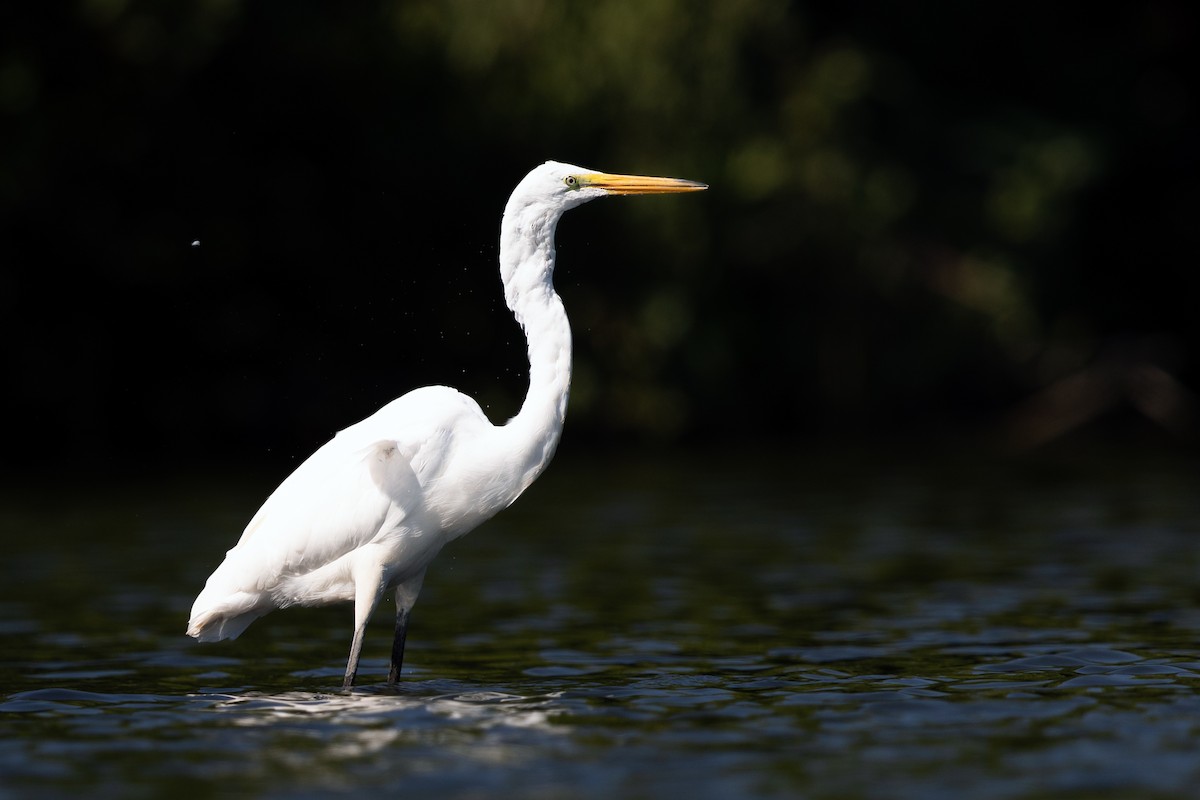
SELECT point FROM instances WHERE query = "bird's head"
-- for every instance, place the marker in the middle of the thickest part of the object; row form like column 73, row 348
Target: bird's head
column 566, row 185
column 533, row 211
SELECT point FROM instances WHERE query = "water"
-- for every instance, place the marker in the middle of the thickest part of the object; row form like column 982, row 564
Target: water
column 708, row 627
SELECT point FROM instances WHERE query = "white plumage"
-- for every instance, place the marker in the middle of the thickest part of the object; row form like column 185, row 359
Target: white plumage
column 367, row 512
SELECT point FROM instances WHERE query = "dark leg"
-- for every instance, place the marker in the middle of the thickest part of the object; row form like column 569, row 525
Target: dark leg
column 398, row 645
column 406, row 596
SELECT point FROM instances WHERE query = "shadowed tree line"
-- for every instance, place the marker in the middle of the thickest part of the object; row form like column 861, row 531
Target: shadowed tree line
column 234, row 228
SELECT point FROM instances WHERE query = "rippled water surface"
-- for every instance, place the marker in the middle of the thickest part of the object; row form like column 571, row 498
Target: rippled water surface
column 687, row 627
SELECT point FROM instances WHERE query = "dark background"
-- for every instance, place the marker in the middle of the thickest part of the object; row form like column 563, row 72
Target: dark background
column 229, row 229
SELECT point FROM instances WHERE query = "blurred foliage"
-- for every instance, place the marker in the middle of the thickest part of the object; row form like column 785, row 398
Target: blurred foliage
column 242, row 226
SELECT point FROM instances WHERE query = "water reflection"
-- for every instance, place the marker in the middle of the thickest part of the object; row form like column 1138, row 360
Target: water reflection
column 481, row 709
column 360, row 724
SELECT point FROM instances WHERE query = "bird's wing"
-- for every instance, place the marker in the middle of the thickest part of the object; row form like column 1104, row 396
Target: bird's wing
column 368, row 484
column 367, row 480
column 335, row 502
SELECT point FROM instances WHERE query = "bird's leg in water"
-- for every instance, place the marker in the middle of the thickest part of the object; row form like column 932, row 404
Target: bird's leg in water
column 368, row 588
column 406, row 598
column 398, row 645
column 352, row 663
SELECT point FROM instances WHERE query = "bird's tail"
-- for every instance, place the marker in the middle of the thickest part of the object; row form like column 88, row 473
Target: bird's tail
column 226, row 620
column 228, row 603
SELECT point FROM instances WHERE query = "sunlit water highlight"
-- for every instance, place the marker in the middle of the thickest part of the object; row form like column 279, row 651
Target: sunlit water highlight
column 650, row 629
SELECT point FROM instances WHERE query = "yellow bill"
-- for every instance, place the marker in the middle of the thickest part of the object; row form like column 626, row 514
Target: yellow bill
column 638, row 184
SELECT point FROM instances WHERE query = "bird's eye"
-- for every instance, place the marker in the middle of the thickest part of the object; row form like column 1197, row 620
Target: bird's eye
column 571, row 181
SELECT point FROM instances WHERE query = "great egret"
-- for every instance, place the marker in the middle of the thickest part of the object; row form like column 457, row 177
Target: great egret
column 369, row 510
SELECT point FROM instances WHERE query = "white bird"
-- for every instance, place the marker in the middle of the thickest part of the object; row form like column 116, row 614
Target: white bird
column 368, row 511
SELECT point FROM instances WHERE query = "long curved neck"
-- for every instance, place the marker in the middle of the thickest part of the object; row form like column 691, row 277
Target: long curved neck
column 527, row 269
